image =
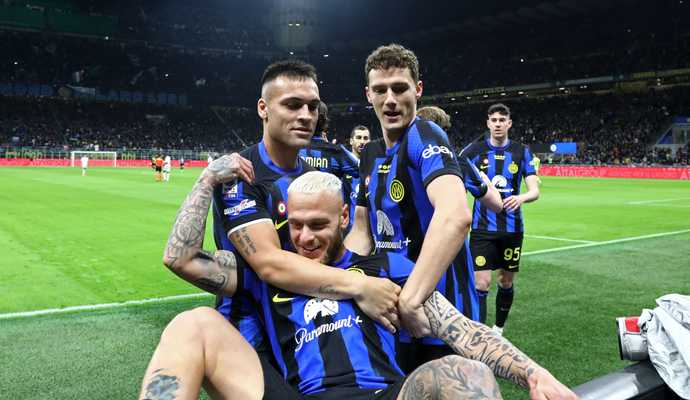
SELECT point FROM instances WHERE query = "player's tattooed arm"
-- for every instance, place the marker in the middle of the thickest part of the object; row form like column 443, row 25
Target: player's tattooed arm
column 477, row 342
column 184, row 255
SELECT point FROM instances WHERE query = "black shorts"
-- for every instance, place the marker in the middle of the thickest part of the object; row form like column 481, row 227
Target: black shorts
column 275, row 387
column 389, row 393
column 411, row 356
column 496, row 250
column 159, row 169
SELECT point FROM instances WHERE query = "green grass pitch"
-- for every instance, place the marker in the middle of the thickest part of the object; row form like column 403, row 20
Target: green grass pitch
column 68, row 240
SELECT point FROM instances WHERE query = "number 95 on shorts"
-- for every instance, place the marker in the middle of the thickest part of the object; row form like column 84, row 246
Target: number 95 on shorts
column 496, row 250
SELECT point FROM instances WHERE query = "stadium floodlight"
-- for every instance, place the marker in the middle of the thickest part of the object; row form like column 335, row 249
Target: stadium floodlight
column 111, row 156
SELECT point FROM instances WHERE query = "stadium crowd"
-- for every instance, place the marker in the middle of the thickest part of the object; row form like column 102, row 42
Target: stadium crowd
column 192, row 51
column 215, row 64
column 54, row 123
column 609, row 129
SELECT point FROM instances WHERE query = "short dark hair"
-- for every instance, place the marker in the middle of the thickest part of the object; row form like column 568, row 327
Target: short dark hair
column 392, row 56
column 436, row 115
column 289, row 68
column 499, row 108
column 357, row 128
column 323, row 120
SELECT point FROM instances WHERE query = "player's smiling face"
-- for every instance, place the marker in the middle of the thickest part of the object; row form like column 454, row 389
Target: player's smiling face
column 289, row 109
column 393, row 93
column 499, row 125
column 316, row 225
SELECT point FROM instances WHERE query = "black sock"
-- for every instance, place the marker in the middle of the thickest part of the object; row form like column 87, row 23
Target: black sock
column 482, row 305
column 504, row 299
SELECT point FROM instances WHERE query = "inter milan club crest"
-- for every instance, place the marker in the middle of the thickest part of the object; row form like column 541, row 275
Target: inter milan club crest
column 397, row 191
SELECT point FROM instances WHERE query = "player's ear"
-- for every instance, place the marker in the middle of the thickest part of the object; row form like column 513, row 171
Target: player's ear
column 367, row 91
column 419, row 88
column 510, row 124
column 261, row 109
column 345, row 216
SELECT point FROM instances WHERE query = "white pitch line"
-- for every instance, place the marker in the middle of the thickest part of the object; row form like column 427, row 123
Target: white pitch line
column 90, row 307
column 200, row 295
column 656, row 201
column 560, row 239
column 580, row 246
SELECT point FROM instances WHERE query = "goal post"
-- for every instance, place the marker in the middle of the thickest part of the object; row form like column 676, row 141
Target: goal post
column 96, row 158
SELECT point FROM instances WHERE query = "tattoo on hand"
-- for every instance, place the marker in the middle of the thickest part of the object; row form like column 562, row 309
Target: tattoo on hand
column 223, row 169
column 162, row 387
column 476, row 341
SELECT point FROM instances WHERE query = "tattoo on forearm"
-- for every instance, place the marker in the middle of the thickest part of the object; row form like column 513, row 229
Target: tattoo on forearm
column 214, row 273
column 327, row 290
column 476, row 341
column 241, row 239
column 188, row 232
column 162, row 387
column 451, row 377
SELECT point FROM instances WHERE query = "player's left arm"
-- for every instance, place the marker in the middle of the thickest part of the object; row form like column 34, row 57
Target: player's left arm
column 476, row 341
column 445, row 236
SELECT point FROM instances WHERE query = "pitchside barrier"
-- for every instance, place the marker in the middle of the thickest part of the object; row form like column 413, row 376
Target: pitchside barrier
column 545, row 170
column 636, row 382
column 616, row 172
column 51, row 162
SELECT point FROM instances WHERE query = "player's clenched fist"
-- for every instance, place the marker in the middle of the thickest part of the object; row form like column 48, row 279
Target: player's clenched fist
column 228, row 168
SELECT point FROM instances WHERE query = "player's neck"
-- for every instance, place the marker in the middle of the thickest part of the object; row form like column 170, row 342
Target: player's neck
column 282, row 156
column 391, row 137
column 498, row 142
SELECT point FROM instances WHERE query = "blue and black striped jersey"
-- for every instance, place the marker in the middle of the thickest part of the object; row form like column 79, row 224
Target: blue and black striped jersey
column 328, row 157
column 399, row 209
column 238, row 204
column 351, row 190
column 324, row 344
column 506, row 166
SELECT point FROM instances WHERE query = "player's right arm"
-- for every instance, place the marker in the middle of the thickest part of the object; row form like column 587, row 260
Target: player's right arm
column 258, row 243
column 477, row 342
column 184, row 254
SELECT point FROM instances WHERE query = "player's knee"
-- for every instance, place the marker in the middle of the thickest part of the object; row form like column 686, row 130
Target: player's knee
column 182, row 328
column 505, row 281
column 454, row 377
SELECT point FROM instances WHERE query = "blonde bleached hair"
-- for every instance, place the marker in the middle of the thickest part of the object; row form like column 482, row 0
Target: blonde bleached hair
column 314, row 182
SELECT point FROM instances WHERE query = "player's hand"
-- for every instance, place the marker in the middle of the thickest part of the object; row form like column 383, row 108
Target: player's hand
column 377, row 299
column 413, row 317
column 543, row 386
column 228, row 168
column 512, row 203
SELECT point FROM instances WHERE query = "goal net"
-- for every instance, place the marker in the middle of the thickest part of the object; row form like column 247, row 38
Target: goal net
column 96, row 158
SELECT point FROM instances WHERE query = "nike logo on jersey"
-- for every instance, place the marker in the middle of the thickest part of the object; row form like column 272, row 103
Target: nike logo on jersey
column 279, row 225
column 278, row 299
